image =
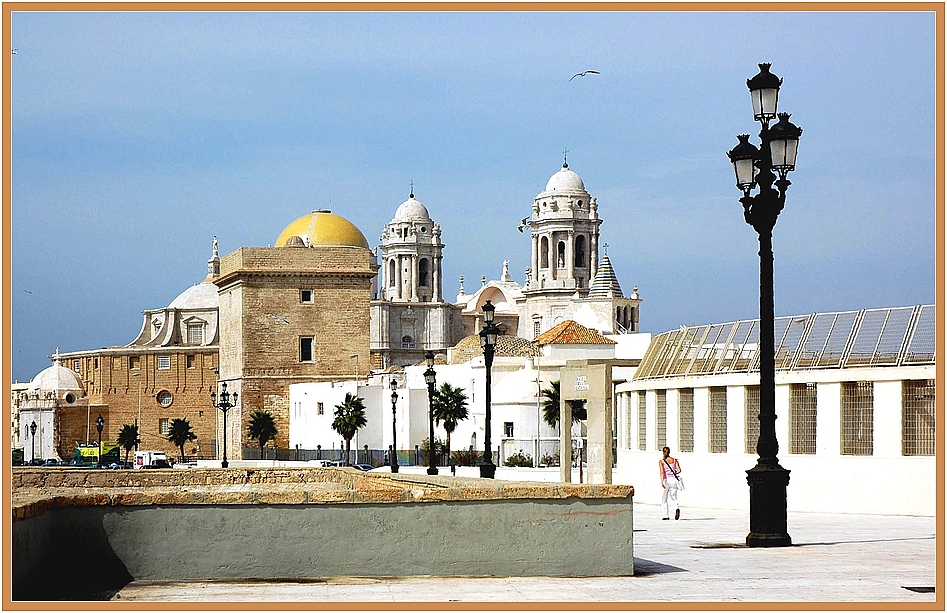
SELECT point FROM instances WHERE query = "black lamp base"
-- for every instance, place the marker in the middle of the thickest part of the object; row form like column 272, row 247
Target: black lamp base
column 768, row 484
column 394, row 468
column 488, row 470
column 432, row 470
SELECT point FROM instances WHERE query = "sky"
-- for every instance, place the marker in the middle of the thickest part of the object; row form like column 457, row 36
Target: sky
column 137, row 137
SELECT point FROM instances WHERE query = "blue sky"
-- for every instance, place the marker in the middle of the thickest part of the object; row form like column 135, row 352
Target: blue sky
column 137, row 137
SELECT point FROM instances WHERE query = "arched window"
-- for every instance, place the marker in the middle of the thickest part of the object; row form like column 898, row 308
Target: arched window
column 391, row 272
column 561, row 254
column 407, row 342
column 544, row 253
column 423, row 272
column 580, row 260
column 631, row 321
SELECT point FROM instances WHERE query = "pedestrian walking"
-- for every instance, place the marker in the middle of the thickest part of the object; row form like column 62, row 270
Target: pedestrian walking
column 669, row 470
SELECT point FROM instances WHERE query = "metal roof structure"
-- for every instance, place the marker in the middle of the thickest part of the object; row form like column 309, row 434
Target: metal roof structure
column 898, row 336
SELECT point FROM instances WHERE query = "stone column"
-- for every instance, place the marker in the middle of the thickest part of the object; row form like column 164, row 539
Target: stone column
column 399, row 278
column 570, row 254
column 593, row 252
column 553, row 256
column 535, row 280
column 414, row 278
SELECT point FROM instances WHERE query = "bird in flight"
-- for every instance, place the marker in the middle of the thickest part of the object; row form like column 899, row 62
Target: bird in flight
column 278, row 318
column 582, row 74
column 14, row 52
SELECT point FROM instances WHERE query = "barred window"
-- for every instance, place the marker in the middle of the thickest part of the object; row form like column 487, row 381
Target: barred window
column 917, row 417
column 718, row 420
column 802, row 417
column 195, row 334
column 857, row 417
column 752, row 417
column 642, row 422
column 685, row 420
column 321, row 409
column 164, row 362
column 662, row 404
column 163, row 427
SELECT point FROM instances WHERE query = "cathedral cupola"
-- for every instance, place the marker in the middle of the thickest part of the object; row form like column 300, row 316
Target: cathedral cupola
column 411, row 255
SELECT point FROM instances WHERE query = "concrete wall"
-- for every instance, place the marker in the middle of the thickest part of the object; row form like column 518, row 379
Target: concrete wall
column 187, row 542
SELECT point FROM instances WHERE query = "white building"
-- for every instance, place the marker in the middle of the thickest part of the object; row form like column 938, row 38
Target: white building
column 855, row 400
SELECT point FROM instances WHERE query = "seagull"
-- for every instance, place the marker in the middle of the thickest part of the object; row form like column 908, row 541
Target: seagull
column 582, row 74
column 523, row 224
column 14, row 52
column 278, row 317
column 27, row 291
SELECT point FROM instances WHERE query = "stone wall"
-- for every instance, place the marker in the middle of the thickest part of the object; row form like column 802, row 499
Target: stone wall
column 180, row 525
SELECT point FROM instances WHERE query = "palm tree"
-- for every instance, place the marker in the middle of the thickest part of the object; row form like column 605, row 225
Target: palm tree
column 262, row 428
column 450, row 407
column 180, row 433
column 551, row 406
column 128, row 439
column 349, row 417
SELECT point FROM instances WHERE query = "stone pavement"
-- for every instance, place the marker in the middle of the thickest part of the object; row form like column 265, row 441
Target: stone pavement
column 701, row 558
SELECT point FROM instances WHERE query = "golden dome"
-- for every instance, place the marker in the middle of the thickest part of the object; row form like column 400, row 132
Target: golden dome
column 322, row 228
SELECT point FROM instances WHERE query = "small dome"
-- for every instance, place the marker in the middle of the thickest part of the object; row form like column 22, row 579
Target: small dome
column 324, row 229
column 565, row 180
column 57, row 378
column 412, row 210
column 200, row 296
column 295, row 241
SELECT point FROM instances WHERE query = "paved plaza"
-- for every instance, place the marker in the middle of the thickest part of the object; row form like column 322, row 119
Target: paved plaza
column 701, row 558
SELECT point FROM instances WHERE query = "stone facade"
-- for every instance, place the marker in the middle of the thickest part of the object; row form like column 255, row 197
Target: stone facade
column 290, row 314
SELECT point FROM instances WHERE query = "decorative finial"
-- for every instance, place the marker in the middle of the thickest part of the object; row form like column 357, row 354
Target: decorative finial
column 461, row 285
column 565, row 158
column 483, row 280
column 411, row 195
column 606, row 248
column 215, row 248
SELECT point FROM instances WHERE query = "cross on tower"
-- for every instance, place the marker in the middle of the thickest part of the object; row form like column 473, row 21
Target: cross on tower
column 565, row 158
column 412, row 190
column 606, row 248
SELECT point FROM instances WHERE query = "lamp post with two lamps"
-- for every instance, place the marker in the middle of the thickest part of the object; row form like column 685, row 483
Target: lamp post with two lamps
column 394, row 427
column 488, row 341
column 430, row 377
column 99, row 424
column 754, row 168
column 224, row 404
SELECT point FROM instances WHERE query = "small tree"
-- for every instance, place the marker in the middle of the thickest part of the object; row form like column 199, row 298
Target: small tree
column 349, row 417
column 449, row 406
column 262, row 428
column 551, row 406
column 180, row 433
column 128, row 439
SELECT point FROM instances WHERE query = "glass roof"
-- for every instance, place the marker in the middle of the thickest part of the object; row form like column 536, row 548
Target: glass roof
column 898, row 336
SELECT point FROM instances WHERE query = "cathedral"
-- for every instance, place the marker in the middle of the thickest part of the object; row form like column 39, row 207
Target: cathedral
column 322, row 305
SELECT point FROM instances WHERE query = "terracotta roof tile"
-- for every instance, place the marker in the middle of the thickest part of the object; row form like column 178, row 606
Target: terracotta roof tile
column 570, row 332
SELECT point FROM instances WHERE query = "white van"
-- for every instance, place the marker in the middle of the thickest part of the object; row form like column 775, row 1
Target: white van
column 151, row 459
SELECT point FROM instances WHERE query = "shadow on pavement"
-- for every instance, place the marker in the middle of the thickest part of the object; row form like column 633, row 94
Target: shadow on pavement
column 643, row 568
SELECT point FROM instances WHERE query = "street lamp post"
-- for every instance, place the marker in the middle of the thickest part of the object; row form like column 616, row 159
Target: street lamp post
column 430, row 377
column 224, row 404
column 138, row 420
column 488, row 341
column 99, row 424
column 33, row 436
column 755, row 168
column 394, row 428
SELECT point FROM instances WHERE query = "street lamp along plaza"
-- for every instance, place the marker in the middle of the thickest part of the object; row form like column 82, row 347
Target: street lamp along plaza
column 430, row 377
column 754, row 168
column 224, row 404
column 99, row 425
column 394, row 425
column 33, row 436
column 488, row 341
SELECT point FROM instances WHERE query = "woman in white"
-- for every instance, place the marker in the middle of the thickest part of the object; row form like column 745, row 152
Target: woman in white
column 669, row 469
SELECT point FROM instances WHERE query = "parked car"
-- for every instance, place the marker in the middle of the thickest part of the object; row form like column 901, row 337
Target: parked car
column 362, row 467
column 36, row 462
column 159, row 463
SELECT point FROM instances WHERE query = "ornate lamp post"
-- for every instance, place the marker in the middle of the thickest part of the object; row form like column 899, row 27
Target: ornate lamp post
column 430, row 377
column 394, row 429
column 754, row 167
column 224, row 404
column 33, row 436
column 488, row 341
column 99, row 424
